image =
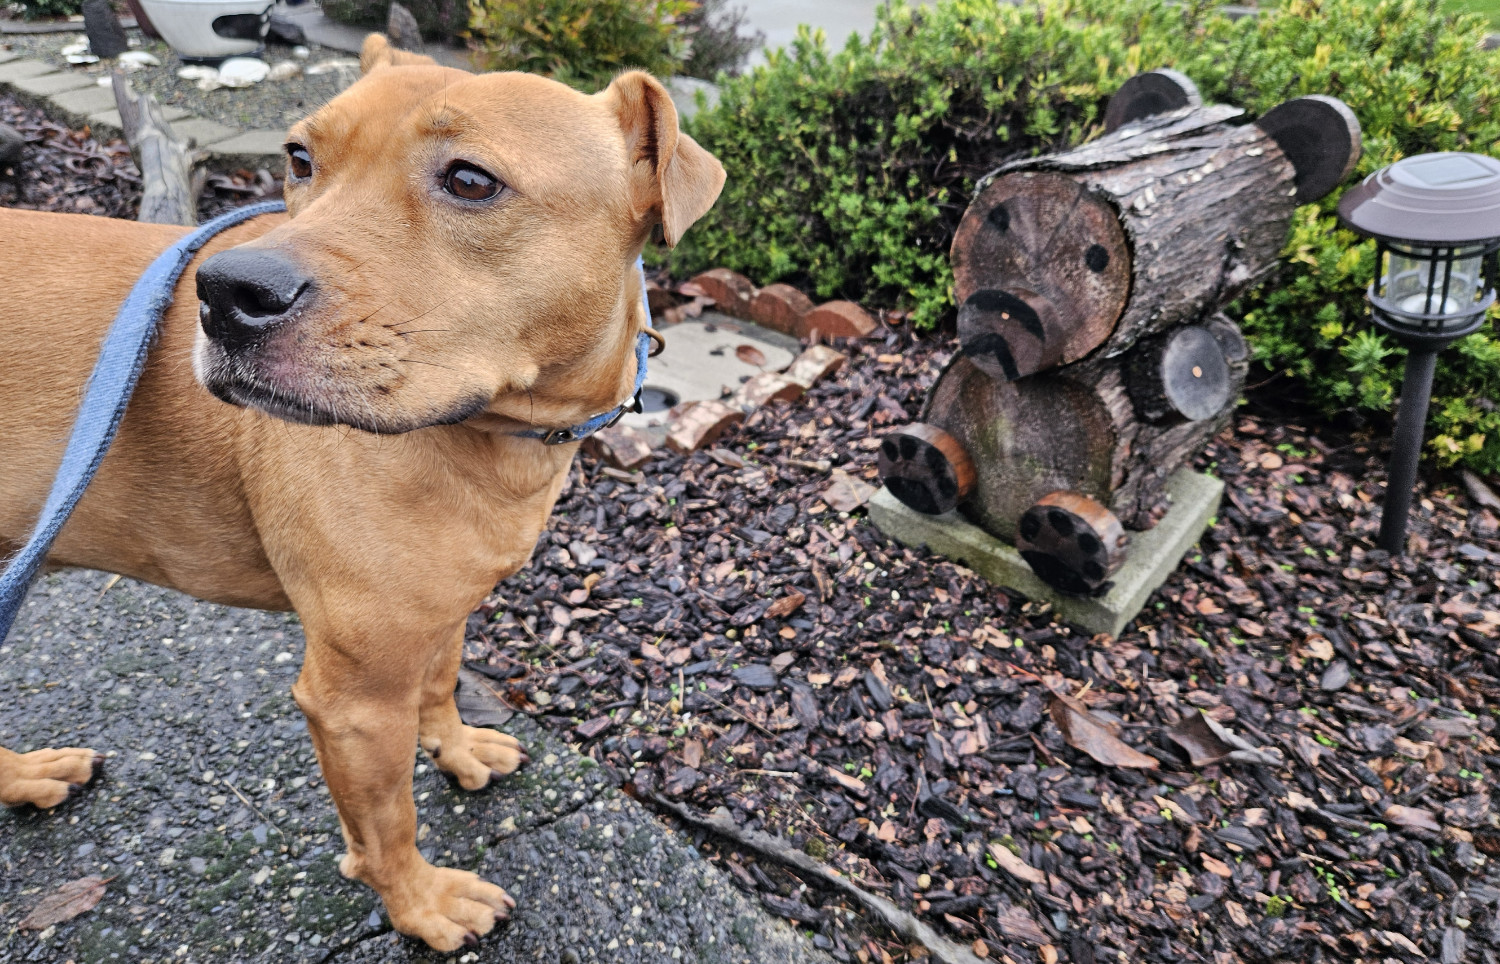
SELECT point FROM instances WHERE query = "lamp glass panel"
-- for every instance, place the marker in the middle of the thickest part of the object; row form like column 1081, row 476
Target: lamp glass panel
column 1410, row 276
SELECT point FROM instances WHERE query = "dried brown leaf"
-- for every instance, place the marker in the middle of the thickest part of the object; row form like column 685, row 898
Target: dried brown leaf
column 67, row 902
column 750, row 355
column 1086, row 732
column 846, row 493
column 1412, row 818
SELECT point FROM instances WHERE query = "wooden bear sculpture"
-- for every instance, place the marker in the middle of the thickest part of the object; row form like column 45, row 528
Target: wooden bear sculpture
column 1093, row 359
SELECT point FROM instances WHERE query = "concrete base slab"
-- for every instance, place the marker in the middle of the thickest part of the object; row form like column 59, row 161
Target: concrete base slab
column 1152, row 556
column 6, row 56
column 202, row 132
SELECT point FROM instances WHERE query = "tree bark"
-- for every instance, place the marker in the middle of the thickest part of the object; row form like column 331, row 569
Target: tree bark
column 169, row 187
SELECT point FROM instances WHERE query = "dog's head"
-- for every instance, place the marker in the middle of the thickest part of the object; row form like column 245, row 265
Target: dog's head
column 459, row 245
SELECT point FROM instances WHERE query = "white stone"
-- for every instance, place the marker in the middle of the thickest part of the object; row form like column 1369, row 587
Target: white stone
column 243, row 71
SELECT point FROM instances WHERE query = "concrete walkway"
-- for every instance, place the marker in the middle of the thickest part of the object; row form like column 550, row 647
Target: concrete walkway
column 221, row 840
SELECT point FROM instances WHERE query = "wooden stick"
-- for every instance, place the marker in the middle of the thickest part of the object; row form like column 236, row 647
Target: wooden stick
column 169, row 187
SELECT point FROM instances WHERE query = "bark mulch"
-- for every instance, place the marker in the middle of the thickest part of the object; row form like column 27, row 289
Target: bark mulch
column 69, row 172
column 722, row 633
column 717, row 633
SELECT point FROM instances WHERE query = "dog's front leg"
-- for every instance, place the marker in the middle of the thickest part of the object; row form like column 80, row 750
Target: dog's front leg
column 471, row 755
column 362, row 697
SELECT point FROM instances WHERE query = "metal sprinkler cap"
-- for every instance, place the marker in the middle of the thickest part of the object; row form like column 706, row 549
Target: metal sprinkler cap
column 1432, row 200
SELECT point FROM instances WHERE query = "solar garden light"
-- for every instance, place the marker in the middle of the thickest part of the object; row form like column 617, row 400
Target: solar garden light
column 1435, row 219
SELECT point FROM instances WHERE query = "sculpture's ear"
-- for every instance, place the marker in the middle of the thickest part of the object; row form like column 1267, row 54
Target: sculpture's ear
column 378, row 52
column 673, row 178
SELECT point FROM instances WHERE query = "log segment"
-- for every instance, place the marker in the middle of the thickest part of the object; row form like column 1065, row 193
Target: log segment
column 926, row 468
column 1072, row 543
column 1122, row 238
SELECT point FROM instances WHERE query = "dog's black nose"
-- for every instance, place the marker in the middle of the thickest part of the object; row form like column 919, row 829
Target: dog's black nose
column 246, row 292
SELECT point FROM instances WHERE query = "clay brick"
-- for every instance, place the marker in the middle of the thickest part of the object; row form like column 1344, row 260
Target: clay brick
column 765, row 388
column 780, row 308
column 732, row 292
column 694, row 425
column 836, row 319
column 620, row 446
column 659, row 298
column 814, row 365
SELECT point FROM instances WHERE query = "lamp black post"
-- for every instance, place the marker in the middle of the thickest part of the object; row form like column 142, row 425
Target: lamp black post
column 1435, row 219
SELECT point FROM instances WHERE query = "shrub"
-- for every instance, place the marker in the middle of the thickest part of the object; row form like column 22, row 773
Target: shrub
column 849, row 170
column 580, row 42
column 33, row 9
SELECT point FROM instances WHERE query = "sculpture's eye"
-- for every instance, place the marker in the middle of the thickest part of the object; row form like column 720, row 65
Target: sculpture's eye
column 1096, row 257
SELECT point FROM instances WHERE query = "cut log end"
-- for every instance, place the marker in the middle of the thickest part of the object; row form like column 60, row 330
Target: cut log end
column 1320, row 136
column 1072, row 543
column 1041, row 270
column 926, row 469
column 1183, row 376
column 1149, row 94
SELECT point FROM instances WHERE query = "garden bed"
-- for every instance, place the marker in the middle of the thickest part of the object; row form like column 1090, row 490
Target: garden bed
column 726, row 630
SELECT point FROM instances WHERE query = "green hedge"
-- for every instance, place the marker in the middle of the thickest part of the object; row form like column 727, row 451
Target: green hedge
column 849, row 169
column 580, row 42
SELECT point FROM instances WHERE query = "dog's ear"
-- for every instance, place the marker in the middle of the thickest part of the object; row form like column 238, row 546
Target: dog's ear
column 680, row 180
column 378, row 52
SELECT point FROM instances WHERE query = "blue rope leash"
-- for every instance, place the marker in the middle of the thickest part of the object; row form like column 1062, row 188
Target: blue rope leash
column 121, row 359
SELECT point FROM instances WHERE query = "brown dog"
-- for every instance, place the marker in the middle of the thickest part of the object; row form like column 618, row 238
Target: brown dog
column 457, row 266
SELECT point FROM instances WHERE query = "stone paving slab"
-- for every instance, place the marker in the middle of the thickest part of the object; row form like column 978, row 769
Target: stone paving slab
column 78, row 105
column 251, row 146
column 45, row 85
column 109, row 121
column 199, row 130
column 21, row 69
column 222, row 842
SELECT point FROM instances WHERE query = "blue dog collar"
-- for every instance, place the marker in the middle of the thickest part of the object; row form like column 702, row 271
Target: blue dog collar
column 581, row 431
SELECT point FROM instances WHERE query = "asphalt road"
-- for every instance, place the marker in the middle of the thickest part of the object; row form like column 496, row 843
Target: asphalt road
column 221, row 841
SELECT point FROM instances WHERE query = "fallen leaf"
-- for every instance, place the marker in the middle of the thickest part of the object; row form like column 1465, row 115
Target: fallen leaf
column 1015, row 866
column 750, row 355
column 67, row 902
column 1197, row 737
column 846, row 493
column 1412, row 818
column 1085, row 731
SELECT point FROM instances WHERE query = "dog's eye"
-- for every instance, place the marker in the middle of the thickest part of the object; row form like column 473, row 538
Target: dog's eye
column 470, row 183
column 299, row 160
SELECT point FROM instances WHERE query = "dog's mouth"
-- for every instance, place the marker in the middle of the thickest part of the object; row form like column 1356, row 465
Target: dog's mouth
column 276, row 403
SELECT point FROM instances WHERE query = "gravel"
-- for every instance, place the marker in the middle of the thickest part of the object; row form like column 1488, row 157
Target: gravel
column 272, row 105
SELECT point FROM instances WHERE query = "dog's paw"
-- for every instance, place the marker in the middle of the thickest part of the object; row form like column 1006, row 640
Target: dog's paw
column 45, row 778
column 474, row 755
column 449, row 909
